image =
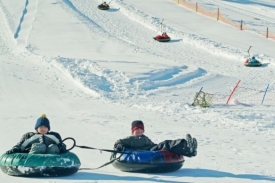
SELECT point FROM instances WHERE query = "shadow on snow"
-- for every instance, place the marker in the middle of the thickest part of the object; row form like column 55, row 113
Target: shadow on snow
column 206, row 173
column 100, row 176
column 184, row 172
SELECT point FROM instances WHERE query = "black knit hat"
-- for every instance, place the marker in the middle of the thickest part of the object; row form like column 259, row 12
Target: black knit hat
column 136, row 125
column 42, row 121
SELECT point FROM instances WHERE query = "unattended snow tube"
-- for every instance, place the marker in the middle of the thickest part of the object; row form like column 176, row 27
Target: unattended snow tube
column 147, row 161
column 39, row 165
column 254, row 63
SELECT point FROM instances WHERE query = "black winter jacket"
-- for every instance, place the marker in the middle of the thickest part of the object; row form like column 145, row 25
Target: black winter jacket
column 30, row 138
column 138, row 143
column 135, row 143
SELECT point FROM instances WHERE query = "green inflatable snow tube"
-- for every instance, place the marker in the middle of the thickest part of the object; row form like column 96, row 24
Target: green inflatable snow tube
column 39, row 165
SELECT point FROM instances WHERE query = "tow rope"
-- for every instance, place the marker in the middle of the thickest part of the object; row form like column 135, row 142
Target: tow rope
column 106, row 150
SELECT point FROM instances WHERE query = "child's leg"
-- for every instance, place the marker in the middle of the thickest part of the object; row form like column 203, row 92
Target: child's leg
column 38, row 148
column 53, row 149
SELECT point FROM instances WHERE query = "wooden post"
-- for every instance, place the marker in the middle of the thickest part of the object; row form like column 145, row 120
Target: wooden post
column 218, row 15
column 196, row 7
column 241, row 25
column 267, row 32
column 197, row 96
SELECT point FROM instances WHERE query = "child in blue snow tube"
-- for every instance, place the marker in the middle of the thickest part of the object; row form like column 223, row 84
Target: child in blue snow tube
column 40, row 142
column 139, row 142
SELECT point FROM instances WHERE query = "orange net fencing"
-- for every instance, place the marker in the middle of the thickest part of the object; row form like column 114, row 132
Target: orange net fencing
column 238, row 25
column 187, row 4
column 208, row 13
column 245, row 96
column 249, row 96
column 268, row 34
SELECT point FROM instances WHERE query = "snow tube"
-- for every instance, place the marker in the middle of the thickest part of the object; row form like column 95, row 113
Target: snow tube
column 147, row 161
column 252, row 63
column 162, row 39
column 102, row 7
column 39, row 165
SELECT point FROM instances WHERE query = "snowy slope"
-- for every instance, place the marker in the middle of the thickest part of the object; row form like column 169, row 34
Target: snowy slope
column 93, row 72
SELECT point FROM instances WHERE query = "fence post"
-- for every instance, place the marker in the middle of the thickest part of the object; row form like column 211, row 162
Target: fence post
column 232, row 92
column 267, row 32
column 218, row 15
column 196, row 7
column 241, row 24
column 265, row 93
column 196, row 97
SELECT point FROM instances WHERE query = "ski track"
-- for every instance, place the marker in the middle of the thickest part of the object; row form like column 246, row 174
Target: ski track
column 119, row 24
column 145, row 93
column 123, row 12
column 117, row 20
column 116, row 85
column 6, row 27
column 21, row 19
column 25, row 25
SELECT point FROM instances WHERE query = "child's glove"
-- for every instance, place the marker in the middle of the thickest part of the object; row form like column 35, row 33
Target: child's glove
column 62, row 147
column 120, row 147
column 14, row 150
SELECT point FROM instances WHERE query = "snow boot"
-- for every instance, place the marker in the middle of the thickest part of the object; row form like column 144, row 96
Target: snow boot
column 195, row 146
column 189, row 142
column 192, row 145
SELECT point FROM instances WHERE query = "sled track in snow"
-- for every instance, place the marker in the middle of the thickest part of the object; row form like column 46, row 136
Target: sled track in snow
column 6, row 27
column 123, row 21
column 112, row 25
column 120, row 24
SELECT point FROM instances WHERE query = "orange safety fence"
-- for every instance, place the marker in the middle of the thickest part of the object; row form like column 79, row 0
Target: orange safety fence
column 244, row 96
column 268, row 34
column 251, row 96
column 216, row 14
column 187, row 4
column 238, row 25
column 208, row 13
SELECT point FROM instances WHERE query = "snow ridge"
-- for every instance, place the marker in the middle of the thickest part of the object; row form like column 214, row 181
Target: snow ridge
column 23, row 30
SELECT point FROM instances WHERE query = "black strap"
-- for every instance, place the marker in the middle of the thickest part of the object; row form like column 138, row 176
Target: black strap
column 110, row 162
column 87, row 147
column 72, row 140
column 107, row 150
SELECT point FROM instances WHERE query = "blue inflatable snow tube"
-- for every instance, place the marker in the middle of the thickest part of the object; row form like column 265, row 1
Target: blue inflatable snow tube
column 147, row 161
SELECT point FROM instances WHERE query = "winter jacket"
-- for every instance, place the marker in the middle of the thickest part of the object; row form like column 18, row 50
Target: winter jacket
column 135, row 143
column 144, row 143
column 159, row 37
column 165, row 36
column 30, row 138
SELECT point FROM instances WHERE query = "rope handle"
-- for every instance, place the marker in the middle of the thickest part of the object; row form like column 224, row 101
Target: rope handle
column 74, row 143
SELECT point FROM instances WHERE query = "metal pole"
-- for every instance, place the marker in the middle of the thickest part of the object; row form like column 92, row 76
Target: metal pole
column 265, row 93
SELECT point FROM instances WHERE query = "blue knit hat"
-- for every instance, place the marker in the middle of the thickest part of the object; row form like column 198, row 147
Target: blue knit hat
column 42, row 121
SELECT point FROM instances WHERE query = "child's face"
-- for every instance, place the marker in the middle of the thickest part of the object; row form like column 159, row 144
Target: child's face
column 42, row 129
column 138, row 132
